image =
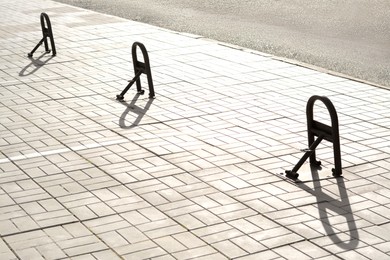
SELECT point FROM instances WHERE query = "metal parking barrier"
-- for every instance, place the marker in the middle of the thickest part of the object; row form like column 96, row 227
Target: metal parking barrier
column 321, row 131
column 139, row 69
column 47, row 33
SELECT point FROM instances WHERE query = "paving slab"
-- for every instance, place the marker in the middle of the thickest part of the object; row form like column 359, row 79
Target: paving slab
column 195, row 173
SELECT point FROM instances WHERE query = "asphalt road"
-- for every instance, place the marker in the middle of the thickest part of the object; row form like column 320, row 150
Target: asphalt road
column 346, row 36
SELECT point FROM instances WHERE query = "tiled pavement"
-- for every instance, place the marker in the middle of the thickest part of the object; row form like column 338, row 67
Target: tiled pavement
column 191, row 174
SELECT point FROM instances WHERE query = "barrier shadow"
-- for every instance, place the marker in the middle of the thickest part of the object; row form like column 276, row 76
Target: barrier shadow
column 134, row 109
column 326, row 204
column 34, row 62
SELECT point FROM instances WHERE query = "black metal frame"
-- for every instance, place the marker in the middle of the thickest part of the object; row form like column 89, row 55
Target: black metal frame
column 139, row 68
column 322, row 131
column 46, row 32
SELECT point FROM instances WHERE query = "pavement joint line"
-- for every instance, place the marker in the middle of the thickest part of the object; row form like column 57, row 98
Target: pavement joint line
column 96, row 251
column 370, row 162
column 67, row 98
column 40, row 228
column 29, row 80
column 59, row 151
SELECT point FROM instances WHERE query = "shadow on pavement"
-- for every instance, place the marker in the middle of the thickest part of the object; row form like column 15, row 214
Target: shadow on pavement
column 140, row 112
column 34, row 62
column 327, row 204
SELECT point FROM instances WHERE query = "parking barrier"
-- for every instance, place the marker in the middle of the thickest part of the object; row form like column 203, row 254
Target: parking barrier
column 322, row 131
column 139, row 69
column 46, row 32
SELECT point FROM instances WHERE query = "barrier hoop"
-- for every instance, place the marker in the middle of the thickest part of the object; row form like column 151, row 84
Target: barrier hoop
column 46, row 32
column 139, row 69
column 322, row 132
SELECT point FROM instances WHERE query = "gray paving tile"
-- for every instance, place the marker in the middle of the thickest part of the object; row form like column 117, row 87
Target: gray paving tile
column 197, row 252
column 5, row 251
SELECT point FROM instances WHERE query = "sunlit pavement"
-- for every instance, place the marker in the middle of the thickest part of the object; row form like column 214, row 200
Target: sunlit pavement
column 194, row 173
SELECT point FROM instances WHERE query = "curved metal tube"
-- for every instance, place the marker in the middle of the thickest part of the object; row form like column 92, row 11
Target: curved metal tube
column 46, row 32
column 331, row 134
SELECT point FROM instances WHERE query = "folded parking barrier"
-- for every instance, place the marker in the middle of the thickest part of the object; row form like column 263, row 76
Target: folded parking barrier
column 46, row 32
column 321, row 131
column 139, row 69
